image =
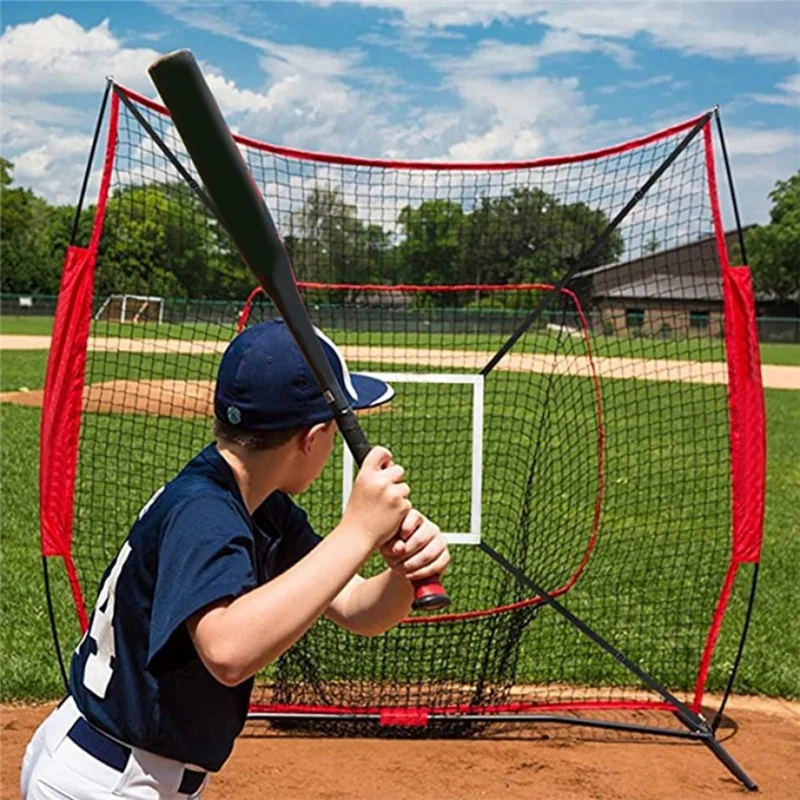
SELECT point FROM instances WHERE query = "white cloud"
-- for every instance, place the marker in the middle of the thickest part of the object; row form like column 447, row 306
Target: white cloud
column 55, row 168
column 38, row 161
column 492, row 57
column 496, row 104
column 232, row 22
column 519, row 118
column 230, row 98
column 278, row 59
column 761, row 142
column 153, row 36
column 562, row 42
column 759, row 157
column 754, row 178
column 791, row 84
column 316, row 98
column 450, row 13
column 717, row 29
column 29, row 123
column 281, row 60
column 56, row 55
column 788, row 93
column 311, row 97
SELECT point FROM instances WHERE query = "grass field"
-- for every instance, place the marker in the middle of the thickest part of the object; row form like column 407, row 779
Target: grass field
column 633, row 515
column 711, row 349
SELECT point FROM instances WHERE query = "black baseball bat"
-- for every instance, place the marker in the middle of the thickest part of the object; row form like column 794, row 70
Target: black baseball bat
column 244, row 213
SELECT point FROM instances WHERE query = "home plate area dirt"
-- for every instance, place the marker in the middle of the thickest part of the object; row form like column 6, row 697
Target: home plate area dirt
column 556, row 763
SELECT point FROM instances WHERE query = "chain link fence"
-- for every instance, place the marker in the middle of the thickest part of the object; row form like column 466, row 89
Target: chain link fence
column 779, row 329
column 226, row 312
column 22, row 305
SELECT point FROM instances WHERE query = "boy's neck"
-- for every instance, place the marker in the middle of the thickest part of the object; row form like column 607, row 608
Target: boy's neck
column 257, row 474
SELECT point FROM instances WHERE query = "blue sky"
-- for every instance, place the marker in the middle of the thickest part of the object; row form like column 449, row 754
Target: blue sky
column 416, row 78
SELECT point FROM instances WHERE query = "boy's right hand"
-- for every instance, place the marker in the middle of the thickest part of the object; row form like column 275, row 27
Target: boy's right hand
column 379, row 501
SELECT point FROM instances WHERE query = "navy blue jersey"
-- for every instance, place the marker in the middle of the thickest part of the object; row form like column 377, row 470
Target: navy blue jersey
column 136, row 674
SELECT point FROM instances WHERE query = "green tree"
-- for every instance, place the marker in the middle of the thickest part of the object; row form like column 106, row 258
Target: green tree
column 158, row 239
column 328, row 242
column 28, row 266
column 432, row 250
column 652, row 245
column 62, row 219
column 529, row 236
column 34, row 236
column 6, row 168
column 774, row 249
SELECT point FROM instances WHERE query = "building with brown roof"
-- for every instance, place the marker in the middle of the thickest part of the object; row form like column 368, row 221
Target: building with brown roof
column 673, row 292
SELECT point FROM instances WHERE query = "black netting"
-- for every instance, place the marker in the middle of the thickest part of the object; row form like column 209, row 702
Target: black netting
column 602, row 471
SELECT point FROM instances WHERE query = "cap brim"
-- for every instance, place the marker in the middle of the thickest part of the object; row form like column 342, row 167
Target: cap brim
column 371, row 391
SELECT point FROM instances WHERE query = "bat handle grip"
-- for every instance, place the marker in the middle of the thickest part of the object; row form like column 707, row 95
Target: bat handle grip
column 429, row 595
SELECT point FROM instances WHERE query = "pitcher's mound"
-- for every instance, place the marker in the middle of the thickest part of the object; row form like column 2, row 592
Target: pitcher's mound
column 164, row 398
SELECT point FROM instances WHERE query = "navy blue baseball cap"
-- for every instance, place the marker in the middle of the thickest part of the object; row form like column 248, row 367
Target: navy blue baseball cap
column 265, row 384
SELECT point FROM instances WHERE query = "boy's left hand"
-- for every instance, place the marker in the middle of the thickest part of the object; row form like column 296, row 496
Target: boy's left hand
column 418, row 551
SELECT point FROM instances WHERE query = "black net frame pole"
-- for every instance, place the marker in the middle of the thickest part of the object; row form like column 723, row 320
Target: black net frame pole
column 682, row 711
column 584, row 259
column 79, row 207
column 72, row 236
column 731, row 188
column 53, row 629
column 171, row 157
column 740, row 651
column 546, row 719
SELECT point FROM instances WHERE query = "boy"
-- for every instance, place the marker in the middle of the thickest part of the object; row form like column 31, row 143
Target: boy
column 220, row 574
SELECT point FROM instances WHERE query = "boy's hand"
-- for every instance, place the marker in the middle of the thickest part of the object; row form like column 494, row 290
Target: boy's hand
column 419, row 550
column 379, row 501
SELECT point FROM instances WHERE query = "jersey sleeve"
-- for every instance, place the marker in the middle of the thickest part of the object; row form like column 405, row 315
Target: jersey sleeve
column 206, row 554
column 298, row 537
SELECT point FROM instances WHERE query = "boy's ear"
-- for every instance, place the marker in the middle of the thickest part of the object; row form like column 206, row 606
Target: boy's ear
column 305, row 439
column 308, row 436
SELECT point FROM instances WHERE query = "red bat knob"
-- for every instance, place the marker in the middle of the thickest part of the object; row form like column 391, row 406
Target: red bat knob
column 430, row 595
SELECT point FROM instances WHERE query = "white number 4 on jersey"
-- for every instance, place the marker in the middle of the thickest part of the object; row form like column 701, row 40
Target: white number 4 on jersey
column 98, row 670
column 99, row 667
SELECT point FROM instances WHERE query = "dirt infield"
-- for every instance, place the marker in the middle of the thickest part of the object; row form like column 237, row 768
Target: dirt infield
column 183, row 399
column 537, row 761
column 707, row 372
column 162, row 398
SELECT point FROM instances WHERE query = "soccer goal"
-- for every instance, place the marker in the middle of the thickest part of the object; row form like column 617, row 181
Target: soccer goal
column 602, row 484
column 131, row 308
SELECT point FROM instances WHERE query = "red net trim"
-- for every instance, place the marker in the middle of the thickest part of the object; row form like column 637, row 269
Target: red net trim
column 355, row 161
column 62, row 407
column 747, row 419
column 508, row 708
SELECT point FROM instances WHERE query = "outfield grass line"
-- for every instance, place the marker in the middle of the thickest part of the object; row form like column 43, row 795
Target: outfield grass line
column 661, row 370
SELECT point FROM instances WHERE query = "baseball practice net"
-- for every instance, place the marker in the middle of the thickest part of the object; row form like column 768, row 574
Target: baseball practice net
column 578, row 407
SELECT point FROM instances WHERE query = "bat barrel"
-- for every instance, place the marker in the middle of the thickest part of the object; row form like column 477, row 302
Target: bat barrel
column 245, row 216
column 221, row 166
